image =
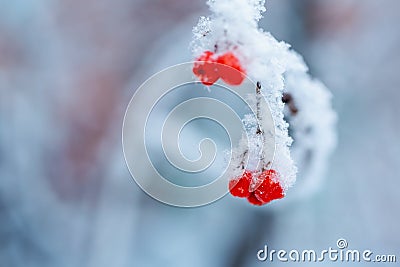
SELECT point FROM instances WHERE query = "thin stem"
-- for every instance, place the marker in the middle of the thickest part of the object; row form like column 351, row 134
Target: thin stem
column 243, row 158
column 258, row 95
column 259, row 131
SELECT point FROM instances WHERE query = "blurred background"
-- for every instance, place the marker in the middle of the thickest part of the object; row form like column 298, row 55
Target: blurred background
column 67, row 72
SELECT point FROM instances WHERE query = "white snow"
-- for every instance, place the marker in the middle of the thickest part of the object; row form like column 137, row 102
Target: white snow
column 233, row 26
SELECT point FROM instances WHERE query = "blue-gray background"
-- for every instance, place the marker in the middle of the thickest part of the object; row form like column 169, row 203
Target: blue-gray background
column 67, row 72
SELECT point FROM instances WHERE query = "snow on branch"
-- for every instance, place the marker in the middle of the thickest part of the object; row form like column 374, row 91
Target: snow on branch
column 282, row 79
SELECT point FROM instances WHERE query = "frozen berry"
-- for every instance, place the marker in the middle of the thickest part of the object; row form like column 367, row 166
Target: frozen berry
column 270, row 189
column 254, row 200
column 239, row 187
column 230, row 69
column 205, row 68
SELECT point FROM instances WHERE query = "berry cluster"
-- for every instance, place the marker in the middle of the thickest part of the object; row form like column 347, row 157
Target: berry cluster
column 259, row 187
column 268, row 190
column 209, row 68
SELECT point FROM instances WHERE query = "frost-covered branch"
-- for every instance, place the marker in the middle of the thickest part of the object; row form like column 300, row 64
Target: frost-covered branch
column 282, row 77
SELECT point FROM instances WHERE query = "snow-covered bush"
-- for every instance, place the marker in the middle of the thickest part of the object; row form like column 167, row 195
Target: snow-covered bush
column 231, row 36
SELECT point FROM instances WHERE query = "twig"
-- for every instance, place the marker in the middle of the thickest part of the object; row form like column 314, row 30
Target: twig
column 258, row 95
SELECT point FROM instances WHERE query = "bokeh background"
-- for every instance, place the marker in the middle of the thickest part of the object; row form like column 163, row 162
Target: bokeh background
column 67, row 72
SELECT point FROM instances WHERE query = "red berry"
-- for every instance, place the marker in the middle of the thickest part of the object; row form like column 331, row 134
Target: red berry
column 254, row 200
column 231, row 70
column 239, row 187
column 206, row 69
column 270, row 189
